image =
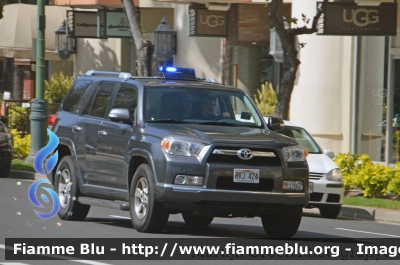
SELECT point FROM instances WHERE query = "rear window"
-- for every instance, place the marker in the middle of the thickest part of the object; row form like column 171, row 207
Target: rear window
column 75, row 94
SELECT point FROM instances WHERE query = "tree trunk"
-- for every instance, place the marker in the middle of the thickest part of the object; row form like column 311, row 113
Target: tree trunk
column 140, row 43
column 285, row 90
column 290, row 61
column 2, row 4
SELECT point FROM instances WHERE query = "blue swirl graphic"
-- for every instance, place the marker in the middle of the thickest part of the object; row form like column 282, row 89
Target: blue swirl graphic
column 34, row 200
column 40, row 157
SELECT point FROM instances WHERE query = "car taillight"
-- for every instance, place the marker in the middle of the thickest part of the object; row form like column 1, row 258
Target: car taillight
column 52, row 119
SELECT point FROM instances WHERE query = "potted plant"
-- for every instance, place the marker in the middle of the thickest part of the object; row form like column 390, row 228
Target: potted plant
column 55, row 90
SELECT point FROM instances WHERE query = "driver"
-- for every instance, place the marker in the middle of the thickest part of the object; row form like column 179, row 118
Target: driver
column 208, row 108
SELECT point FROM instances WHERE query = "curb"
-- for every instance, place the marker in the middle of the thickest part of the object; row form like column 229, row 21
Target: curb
column 372, row 214
column 19, row 174
column 365, row 213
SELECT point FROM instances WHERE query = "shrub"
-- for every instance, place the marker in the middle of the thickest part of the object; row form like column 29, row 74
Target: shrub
column 21, row 144
column 266, row 99
column 376, row 180
column 17, row 117
column 394, row 185
column 57, row 87
column 347, row 164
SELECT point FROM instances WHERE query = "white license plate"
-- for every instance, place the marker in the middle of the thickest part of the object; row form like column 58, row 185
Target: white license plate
column 246, row 175
column 311, row 187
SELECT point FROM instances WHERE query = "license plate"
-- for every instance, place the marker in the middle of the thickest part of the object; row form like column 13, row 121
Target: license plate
column 311, row 187
column 246, row 175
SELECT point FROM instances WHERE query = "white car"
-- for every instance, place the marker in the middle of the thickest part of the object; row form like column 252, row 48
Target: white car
column 326, row 181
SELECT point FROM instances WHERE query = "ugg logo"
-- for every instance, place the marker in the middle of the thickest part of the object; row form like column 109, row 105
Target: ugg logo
column 361, row 17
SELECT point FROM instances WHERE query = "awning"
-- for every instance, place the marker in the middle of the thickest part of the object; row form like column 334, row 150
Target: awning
column 18, row 28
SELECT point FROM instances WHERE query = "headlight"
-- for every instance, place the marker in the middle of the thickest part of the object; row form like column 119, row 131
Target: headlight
column 4, row 137
column 181, row 148
column 334, row 175
column 295, row 153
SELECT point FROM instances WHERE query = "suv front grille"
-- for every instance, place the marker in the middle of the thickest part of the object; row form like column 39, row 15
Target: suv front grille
column 255, row 161
column 226, row 183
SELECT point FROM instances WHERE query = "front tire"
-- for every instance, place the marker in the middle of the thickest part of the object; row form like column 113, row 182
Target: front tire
column 282, row 226
column 67, row 187
column 197, row 220
column 147, row 214
column 330, row 212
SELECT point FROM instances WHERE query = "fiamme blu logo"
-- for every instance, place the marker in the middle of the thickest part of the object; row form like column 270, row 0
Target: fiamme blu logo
column 44, row 163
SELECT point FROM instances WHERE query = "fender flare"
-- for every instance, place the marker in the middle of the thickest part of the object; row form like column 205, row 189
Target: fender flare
column 145, row 154
column 70, row 144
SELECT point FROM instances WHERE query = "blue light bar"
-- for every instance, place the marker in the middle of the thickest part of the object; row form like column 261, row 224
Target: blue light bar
column 171, row 72
column 171, row 69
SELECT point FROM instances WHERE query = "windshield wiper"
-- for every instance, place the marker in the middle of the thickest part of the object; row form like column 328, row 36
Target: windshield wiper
column 167, row 121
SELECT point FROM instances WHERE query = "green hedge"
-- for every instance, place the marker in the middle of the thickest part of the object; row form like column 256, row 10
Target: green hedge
column 376, row 180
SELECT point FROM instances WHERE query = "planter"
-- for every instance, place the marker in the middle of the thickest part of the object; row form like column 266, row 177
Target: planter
column 52, row 108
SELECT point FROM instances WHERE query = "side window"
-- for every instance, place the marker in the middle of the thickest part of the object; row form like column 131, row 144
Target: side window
column 101, row 100
column 75, row 94
column 126, row 98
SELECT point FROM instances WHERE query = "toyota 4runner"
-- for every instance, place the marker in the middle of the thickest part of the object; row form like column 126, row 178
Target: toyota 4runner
column 142, row 145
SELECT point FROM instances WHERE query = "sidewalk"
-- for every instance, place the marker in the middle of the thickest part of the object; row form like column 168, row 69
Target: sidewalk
column 363, row 213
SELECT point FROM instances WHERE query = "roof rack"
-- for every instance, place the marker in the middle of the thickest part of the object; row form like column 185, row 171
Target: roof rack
column 210, row 80
column 118, row 74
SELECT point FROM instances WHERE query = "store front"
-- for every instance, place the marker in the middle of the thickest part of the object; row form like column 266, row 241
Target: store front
column 16, row 48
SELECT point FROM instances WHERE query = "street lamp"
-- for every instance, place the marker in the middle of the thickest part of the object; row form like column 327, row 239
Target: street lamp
column 164, row 42
column 65, row 46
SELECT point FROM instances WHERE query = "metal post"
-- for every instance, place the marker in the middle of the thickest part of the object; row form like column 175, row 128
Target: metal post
column 39, row 114
column 389, row 106
column 355, row 94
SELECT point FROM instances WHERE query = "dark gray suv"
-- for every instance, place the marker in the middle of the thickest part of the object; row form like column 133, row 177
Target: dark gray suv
column 175, row 144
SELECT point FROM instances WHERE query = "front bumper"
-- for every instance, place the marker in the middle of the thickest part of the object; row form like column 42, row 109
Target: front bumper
column 221, row 195
column 326, row 193
column 225, row 202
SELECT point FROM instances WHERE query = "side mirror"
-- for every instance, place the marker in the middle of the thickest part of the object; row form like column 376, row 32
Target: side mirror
column 120, row 115
column 275, row 123
column 4, row 119
column 245, row 115
column 329, row 153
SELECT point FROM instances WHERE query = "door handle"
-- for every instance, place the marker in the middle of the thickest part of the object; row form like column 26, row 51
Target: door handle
column 76, row 128
column 102, row 133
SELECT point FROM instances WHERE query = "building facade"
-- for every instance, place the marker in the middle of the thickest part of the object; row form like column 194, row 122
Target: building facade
column 345, row 93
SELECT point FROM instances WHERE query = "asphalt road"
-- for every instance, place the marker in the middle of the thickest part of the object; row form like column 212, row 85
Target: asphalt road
column 18, row 220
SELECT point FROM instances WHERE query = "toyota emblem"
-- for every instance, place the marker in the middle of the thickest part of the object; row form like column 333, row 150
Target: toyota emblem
column 245, row 154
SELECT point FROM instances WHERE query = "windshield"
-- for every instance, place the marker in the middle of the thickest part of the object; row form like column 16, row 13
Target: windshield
column 302, row 137
column 207, row 107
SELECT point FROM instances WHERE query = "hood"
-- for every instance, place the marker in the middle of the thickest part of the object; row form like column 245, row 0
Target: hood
column 320, row 163
column 226, row 134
